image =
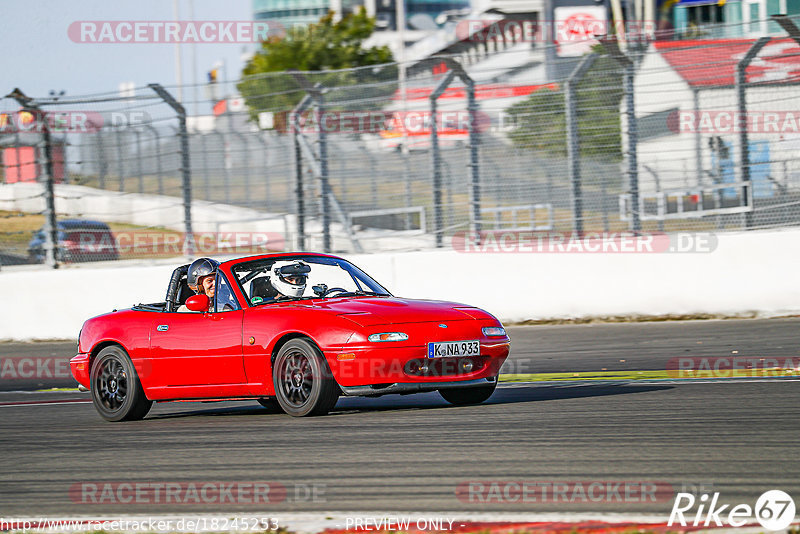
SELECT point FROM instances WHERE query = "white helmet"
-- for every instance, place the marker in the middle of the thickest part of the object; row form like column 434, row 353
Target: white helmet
column 289, row 277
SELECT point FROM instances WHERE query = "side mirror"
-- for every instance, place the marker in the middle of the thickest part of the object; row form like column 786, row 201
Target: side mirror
column 197, row 303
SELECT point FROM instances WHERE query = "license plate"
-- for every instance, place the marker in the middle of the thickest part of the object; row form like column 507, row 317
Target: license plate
column 454, row 349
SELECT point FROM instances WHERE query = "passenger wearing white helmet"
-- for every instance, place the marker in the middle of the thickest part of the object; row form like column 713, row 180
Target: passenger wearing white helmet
column 289, row 278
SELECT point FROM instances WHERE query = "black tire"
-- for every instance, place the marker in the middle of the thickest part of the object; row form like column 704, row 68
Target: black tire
column 271, row 404
column 303, row 381
column 117, row 393
column 464, row 396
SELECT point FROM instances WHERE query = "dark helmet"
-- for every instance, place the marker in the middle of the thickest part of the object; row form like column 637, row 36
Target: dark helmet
column 198, row 269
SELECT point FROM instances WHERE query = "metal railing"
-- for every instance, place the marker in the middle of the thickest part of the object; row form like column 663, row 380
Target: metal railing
column 673, row 135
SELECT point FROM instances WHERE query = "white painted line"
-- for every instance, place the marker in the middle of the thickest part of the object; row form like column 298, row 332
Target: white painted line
column 42, row 403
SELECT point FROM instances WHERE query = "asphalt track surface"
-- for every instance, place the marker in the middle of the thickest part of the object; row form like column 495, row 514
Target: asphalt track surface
column 535, row 349
column 414, row 453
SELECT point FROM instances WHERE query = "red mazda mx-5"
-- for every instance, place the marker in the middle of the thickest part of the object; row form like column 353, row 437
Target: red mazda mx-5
column 336, row 332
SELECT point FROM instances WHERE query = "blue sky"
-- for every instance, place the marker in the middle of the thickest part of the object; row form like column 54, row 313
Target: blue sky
column 38, row 55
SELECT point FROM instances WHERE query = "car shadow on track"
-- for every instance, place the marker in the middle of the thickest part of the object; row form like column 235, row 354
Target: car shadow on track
column 503, row 395
column 569, row 390
column 508, row 394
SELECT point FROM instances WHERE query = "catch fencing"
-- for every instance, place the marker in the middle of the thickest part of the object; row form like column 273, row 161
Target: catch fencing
column 697, row 134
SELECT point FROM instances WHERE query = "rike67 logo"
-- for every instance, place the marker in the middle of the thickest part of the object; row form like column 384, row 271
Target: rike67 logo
column 774, row 510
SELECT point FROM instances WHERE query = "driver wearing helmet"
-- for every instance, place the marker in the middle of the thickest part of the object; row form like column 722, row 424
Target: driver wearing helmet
column 289, row 278
column 201, row 278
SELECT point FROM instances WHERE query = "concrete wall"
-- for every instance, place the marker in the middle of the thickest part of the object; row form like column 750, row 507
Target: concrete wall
column 747, row 272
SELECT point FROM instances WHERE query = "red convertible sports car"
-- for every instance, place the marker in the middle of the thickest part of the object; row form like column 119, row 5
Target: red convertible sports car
column 336, row 332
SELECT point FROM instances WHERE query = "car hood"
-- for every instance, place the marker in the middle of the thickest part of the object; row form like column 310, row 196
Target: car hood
column 371, row 311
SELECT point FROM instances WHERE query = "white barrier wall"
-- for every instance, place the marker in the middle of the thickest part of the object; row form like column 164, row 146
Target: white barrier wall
column 748, row 272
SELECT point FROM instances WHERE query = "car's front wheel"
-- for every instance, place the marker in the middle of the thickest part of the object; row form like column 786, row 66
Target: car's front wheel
column 463, row 396
column 116, row 391
column 303, row 382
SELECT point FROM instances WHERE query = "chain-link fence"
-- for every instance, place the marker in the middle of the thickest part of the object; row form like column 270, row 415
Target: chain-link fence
column 676, row 135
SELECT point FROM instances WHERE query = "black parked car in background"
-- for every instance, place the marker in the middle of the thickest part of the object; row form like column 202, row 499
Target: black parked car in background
column 78, row 240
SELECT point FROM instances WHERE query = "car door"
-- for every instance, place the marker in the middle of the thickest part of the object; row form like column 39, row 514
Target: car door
column 200, row 353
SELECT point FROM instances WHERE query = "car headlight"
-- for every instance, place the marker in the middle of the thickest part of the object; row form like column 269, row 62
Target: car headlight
column 388, row 336
column 493, row 331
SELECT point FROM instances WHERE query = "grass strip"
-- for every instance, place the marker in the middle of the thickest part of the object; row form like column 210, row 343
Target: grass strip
column 773, row 372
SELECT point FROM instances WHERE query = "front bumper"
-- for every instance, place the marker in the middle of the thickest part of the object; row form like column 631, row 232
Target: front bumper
column 413, row 387
column 389, row 364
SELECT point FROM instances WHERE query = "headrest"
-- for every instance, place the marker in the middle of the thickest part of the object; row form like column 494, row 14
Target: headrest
column 262, row 287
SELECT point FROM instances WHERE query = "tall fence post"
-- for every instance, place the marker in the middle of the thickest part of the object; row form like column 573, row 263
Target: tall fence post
column 631, row 134
column 788, row 26
column 318, row 162
column 101, row 155
column 227, row 163
column 698, row 145
column 455, row 69
column 138, row 136
column 298, row 191
column 246, row 159
column 573, row 141
column 741, row 104
column 407, row 184
column 633, row 140
column 265, row 169
column 120, row 160
column 206, row 178
column 159, row 175
column 438, row 222
column 50, row 223
column 188, row 242
column 324, row 175
column 102, row 165
column 474, row 165
column 438, row 219
column 226, row 172
column 294, row 124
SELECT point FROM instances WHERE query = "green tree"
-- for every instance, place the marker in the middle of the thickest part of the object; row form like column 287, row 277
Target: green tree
column 326, row 48
column 540, row 121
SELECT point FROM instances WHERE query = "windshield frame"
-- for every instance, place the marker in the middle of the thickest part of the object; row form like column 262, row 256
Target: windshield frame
column 360, row 278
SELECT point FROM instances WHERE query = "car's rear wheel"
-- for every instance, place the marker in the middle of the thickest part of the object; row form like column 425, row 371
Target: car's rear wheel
column 271, row 404
column 303, row 382
column 116, row 391
column 463, row 396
